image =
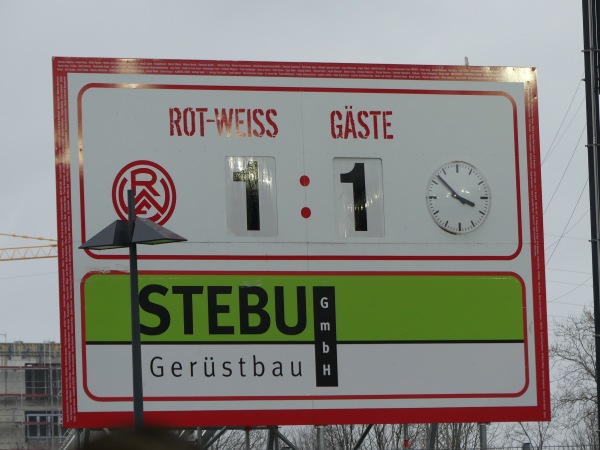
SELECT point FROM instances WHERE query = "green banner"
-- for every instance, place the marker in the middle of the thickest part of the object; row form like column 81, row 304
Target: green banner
column 280, row 308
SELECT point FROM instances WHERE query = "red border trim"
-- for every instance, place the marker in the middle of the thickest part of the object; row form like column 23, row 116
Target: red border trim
column 65, row 241
column 284, row 69
column 303, row 256
column 537, row 249
column 182, row 419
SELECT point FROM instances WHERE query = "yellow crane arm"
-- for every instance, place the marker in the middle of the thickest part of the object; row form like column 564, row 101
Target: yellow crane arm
column 33, row 252
column 49, row 250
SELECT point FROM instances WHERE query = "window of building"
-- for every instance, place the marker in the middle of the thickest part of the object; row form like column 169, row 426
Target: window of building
column 41, row 380
column 43, row 424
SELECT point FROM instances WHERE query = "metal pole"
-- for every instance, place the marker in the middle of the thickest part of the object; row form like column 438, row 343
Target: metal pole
column 214, row 438
column 273, row 443
column 136, row 344
column 483, row 436
column 590, row 30
column 52, row 417
column 86, row 437
column 405, row 433
column 363, row 436
column 433, row 431
column 320, row 438
column 284, row 439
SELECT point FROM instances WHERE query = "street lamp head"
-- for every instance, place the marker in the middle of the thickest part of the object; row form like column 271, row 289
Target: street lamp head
column 116, row 235
column 151, row 233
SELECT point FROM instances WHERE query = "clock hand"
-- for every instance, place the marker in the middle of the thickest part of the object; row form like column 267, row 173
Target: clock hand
column 463, row 200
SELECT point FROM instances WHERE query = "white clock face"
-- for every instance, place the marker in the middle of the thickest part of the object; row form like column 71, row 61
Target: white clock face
column 458, row 197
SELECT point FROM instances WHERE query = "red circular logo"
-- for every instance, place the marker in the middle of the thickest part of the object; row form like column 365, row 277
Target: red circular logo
column 153, row 188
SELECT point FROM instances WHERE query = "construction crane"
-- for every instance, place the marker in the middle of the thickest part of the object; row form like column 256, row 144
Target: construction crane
column 47, row 250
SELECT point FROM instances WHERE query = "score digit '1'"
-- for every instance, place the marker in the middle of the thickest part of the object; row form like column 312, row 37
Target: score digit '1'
column 250, row 177
column 357, row 177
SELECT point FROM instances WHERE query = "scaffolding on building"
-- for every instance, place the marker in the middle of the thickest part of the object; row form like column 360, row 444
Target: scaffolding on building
column 30, row 396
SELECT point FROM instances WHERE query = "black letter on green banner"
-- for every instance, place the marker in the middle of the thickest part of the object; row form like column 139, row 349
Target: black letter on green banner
column 257, row 310
column 325, row 337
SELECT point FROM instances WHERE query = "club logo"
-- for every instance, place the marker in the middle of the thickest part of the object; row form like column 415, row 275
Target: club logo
column 153, row 188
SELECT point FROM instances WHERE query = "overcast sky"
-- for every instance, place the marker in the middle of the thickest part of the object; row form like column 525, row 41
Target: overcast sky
column 546, row 34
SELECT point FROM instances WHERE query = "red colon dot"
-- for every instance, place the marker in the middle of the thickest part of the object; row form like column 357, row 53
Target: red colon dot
column 304, row 180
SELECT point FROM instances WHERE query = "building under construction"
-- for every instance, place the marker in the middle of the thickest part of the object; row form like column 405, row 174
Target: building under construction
column 30, row 396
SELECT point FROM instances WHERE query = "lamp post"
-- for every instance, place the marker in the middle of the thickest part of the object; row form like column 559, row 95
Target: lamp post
column 129, row 233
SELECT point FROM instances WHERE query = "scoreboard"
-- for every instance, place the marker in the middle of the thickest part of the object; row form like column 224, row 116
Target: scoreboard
column 361, row 239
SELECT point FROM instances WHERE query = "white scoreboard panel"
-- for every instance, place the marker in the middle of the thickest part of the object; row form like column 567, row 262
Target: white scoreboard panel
column 360, row 237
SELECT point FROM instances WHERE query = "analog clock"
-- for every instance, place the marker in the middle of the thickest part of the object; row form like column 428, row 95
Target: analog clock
column 458, row 197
